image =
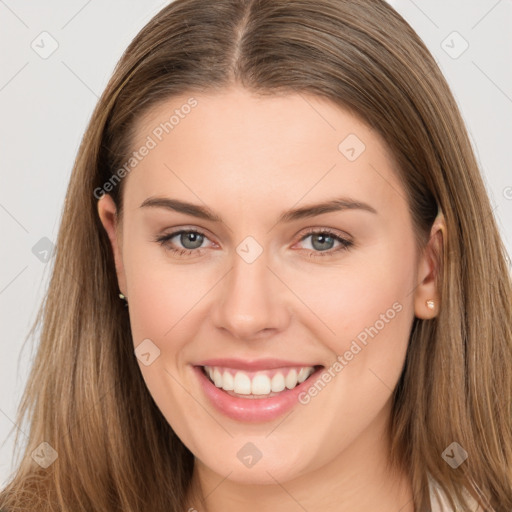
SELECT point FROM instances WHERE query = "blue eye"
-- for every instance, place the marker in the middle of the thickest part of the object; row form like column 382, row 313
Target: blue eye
column 192, row 240
column 322, row 238
column 186, row 237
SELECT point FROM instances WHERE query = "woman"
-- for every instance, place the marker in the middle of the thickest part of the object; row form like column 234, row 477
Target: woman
column 278, row 279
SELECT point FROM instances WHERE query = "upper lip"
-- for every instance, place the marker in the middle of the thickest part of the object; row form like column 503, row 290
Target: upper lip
column 253, row 365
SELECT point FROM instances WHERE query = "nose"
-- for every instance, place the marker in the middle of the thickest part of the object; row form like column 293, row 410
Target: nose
column 252, row 302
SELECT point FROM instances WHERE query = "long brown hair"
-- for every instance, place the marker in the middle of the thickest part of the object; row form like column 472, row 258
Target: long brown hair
column 86, row 397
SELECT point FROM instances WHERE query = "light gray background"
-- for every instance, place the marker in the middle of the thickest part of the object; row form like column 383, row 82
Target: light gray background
column 46, row 104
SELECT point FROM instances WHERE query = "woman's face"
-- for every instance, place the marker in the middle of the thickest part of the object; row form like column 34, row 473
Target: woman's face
column 271, row 284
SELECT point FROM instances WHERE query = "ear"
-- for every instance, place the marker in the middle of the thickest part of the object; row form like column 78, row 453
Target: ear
column 107, row 212
column 429, row 267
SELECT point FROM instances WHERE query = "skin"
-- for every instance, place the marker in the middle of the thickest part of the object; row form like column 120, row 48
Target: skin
column 248, row 159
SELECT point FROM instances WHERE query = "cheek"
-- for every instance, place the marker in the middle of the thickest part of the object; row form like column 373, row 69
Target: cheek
column 162, row 294
column 374, row 324
column 365, row 296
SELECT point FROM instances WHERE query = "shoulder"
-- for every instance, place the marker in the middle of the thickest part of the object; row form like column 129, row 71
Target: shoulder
column 440, row 503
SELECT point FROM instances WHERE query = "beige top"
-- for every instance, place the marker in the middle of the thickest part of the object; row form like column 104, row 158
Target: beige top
column 440, row 503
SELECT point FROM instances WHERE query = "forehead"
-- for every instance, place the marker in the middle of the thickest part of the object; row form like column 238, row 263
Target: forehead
column 261, row 148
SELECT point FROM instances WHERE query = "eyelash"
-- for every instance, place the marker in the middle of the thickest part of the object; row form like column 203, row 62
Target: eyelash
column 344, row 243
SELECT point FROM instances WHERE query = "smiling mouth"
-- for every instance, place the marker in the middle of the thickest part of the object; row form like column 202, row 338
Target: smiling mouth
column 258, row 384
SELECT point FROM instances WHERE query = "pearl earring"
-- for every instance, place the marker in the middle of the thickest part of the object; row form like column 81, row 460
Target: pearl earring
column 122, row 297
column 430, row 304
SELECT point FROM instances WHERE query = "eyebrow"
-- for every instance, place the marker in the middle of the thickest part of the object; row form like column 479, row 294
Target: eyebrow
column 202, row 212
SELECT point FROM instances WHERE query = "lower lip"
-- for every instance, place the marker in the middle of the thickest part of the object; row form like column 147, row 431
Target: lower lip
column 252, row 409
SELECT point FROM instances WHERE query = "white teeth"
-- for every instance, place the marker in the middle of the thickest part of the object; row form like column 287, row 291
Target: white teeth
column 242, row 384
column 303, row 375
column 258, row 383
column 228, row 382
column 278, row 383
column 217, row 378
column 291, row 379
